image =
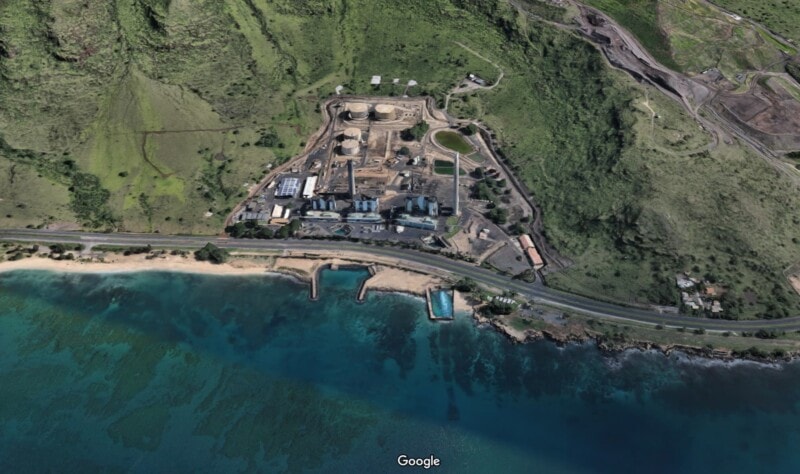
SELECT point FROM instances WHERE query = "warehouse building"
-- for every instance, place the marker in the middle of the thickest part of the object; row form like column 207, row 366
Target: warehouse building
column 364, row 217
column 308, row 188
column 526, row 242
column 426, row 223
column 287, row 187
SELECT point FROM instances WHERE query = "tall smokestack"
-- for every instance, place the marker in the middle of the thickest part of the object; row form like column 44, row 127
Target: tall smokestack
column 456, row 179
column 351, row 177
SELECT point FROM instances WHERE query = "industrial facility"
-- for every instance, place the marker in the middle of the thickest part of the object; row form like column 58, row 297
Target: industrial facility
column 364, row 178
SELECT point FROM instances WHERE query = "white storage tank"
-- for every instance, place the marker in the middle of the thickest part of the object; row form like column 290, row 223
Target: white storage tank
column 350, row 147
column 352, row 133
column 384, row 112
column 358, row 111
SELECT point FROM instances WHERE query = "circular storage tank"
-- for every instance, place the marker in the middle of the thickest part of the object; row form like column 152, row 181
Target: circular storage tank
column 350, row 147
column 352, row 134
column 384, row 112
column 358, row 111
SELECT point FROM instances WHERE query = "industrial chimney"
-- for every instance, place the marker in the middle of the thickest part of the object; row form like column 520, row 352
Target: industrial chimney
column 351, row 177
column 456, row 179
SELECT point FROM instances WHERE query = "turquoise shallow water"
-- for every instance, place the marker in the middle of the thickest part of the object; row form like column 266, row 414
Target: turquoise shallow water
column 442, row 303
column 160, row 372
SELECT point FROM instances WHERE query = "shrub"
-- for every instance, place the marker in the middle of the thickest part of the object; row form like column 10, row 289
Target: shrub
column 465, row 285
column 212, row 253
column 416, row 132
column 470, row 129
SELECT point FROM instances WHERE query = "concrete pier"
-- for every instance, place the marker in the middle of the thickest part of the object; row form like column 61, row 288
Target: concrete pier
column 362, row 290
column 429, row 305
column 314, row 294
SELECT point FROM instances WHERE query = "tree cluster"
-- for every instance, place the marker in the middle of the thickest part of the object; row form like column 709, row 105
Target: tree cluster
column 212, row 253
column 416, row 132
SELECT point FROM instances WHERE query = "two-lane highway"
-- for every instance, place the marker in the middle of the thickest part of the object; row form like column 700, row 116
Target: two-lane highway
column 431, row 262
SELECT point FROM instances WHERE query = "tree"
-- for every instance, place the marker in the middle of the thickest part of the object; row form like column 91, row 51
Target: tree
column 238, row 230
column 470, row 129
column 483, row 192
column 264, row 233
column 498, row 307
column 269, row 138
column 283, row 232
column 498, row 215
column 517, row 229
column 528, row 276
column 404, row 151
column 212, row 253
column 416, row 132
column 58, row 248
column 465, row 285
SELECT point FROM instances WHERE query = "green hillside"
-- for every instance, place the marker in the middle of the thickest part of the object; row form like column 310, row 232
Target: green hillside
column 782, row 17
column 692, row 36
column 145, row 115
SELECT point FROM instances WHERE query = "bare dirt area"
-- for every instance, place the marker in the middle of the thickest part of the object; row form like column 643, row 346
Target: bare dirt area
column 794, row 280
column 768, row 109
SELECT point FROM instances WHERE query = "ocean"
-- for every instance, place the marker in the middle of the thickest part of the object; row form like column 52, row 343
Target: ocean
column 170, row 372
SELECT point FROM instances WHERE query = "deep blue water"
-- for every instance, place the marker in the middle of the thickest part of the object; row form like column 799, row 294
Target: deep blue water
column 159, row 372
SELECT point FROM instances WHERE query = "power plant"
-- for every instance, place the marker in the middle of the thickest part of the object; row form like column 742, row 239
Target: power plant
column 361, row 178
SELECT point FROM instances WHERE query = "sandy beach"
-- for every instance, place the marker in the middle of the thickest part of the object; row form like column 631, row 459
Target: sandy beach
column 386, row 278
column 395, row 279
column 113, row 263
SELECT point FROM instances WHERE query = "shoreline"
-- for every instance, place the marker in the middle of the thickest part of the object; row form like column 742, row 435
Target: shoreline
column 614, row 348
column 386, row 279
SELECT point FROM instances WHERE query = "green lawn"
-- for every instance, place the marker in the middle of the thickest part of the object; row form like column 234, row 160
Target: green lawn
column 446, row 167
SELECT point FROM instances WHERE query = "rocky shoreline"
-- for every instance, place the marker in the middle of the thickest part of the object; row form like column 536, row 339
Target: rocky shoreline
column 613, row 348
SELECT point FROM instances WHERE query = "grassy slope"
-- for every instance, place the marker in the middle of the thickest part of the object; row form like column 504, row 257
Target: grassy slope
column 692, row 35
column 633, row 207
column 618, row 194
column 701, row 36
column 640, row 17
column 27, row 199
column 782, row 17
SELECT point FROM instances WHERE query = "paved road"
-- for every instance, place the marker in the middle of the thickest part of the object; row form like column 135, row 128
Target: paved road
column 436, row 263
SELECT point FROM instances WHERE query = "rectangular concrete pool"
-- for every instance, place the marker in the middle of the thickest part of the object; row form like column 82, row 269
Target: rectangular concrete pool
column 442, row 304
